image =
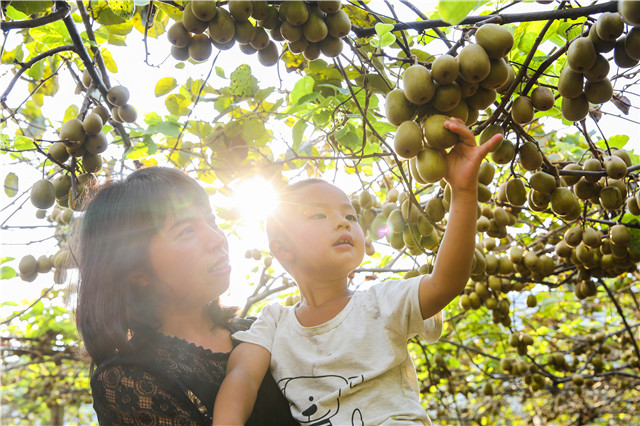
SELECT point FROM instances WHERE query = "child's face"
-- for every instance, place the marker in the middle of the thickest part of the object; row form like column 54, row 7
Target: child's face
column 322, row 232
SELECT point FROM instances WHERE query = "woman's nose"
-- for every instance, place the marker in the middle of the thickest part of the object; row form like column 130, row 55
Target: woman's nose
column 213, row 236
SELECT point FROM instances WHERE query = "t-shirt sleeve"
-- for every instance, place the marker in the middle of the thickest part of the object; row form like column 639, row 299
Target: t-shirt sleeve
column 263, row 330
column 400, row 305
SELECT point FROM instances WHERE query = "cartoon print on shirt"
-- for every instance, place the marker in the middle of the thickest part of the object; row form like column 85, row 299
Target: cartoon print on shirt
column 301, row 385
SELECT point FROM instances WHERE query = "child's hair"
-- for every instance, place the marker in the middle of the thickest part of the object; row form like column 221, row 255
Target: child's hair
column 286, row 197
column 118, row 225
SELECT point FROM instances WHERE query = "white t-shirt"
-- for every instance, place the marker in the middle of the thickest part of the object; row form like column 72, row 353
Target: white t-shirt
column 354, row 369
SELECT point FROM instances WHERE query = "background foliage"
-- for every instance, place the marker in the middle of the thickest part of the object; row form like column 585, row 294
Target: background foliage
column 553, row 342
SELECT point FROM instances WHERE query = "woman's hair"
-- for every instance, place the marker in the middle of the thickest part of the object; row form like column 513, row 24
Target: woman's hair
column 118, row 225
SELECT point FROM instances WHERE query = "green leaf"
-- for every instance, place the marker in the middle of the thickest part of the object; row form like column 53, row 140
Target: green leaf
column 70, row 112
column 122, row 9
column 31, row 7
column 618, row 141
column 165, row 85
column 243, row 83
column 7, row 272
column 297, row 131
column 177, row 104
column 53, row 34
column 453, row 12
column 142, row 149
column 22, row 143
column 304, row 86
column 220, row 72
column 252, row 129
column 108, row 61
column 382, row 29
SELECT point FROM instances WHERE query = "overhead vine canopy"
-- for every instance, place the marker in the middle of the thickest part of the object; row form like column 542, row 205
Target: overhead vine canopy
column 547, row 328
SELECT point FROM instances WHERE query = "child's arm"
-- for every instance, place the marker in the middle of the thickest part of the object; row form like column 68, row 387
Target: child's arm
column 453, row 262
column 248, row 363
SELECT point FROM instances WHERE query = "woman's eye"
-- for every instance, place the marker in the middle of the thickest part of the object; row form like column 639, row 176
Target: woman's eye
column 187, row 230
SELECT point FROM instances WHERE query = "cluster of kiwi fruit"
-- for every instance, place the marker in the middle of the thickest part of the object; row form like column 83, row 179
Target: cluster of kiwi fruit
column 586, row 61
column 29, row 267
column 256, row 25
column 459, row 87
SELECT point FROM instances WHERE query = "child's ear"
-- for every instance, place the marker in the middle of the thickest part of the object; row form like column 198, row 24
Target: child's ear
column 280, row 250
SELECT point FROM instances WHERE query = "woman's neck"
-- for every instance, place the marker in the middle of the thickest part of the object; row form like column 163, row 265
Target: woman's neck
column 196, row 328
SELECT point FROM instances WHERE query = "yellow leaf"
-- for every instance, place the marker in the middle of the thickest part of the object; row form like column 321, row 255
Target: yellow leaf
column 108, row 61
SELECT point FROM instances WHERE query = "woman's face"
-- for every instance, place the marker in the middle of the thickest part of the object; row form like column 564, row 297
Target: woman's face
column 189, row 258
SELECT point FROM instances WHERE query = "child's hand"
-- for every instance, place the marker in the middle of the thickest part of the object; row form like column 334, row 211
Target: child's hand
column 463, row 160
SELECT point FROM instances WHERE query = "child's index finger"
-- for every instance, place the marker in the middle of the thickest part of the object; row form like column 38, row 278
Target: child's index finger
column 456, row 125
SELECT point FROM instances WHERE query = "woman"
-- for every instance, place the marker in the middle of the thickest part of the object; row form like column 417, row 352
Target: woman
column 153, row 264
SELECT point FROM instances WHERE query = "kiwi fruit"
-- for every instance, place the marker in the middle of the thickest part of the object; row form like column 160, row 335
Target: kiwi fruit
column 178, row 35
column 620, row 55
column 522, row 110
column 418, row 85
column 408, row 139
column 599, row 70
column 431, row 165
column 245, row 32
column 271, row 20
column 398, row 109
column 510, row 79
column 338, row 23
column 496, row 40
column 530, row 156
column 28, row 265
column 241, row 10
column 516, row 192
column 92, row 124
column 58, row 152
column 179, row 53
column 632, row 43
column 575, row 109
column 72, row 131
column 486, row 173
column 127, row 112
column 444, row 69
column 298, row 46
column 204, row 10
column 542, row 182
column 620, row 235
column 542, row 98
column 331, row 47
column 102, row 112
column 581, row 54
column 118, row 95
column 611, row 198
column 466, row 89
column 191, row 21
column 482, row 98
column 630, row 11
column 61, row 185
column 295, row 12
column 260, row 39
column 43, row 194
column 436, row 134
column 330, row 6
column 591, row 237
column 505, row 153
column 290, row 32
column 601, row 46
column 598, row 92
column 624, row 155
column 563, row 201
column 413, row 169
column 474, row 64
column 489, row 132
column 460, row 111
column 222, row 27
column 592, row 165
column 312, row 51
column 498, row 74
column 446, row 97
column 570, row 83
column 91, row 163
column 315, row 29
column 86, row 78
column 609, row 26
column 96, row 144
column 269, row 55
column 260, row 9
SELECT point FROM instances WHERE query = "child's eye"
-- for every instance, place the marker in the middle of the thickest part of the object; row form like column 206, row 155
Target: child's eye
column 352, row 218
column 319, row 216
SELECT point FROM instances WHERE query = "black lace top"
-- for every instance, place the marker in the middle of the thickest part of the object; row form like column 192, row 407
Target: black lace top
column 169, row 381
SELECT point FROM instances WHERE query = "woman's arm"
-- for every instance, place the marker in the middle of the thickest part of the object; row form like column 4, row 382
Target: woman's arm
column 247, row 366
